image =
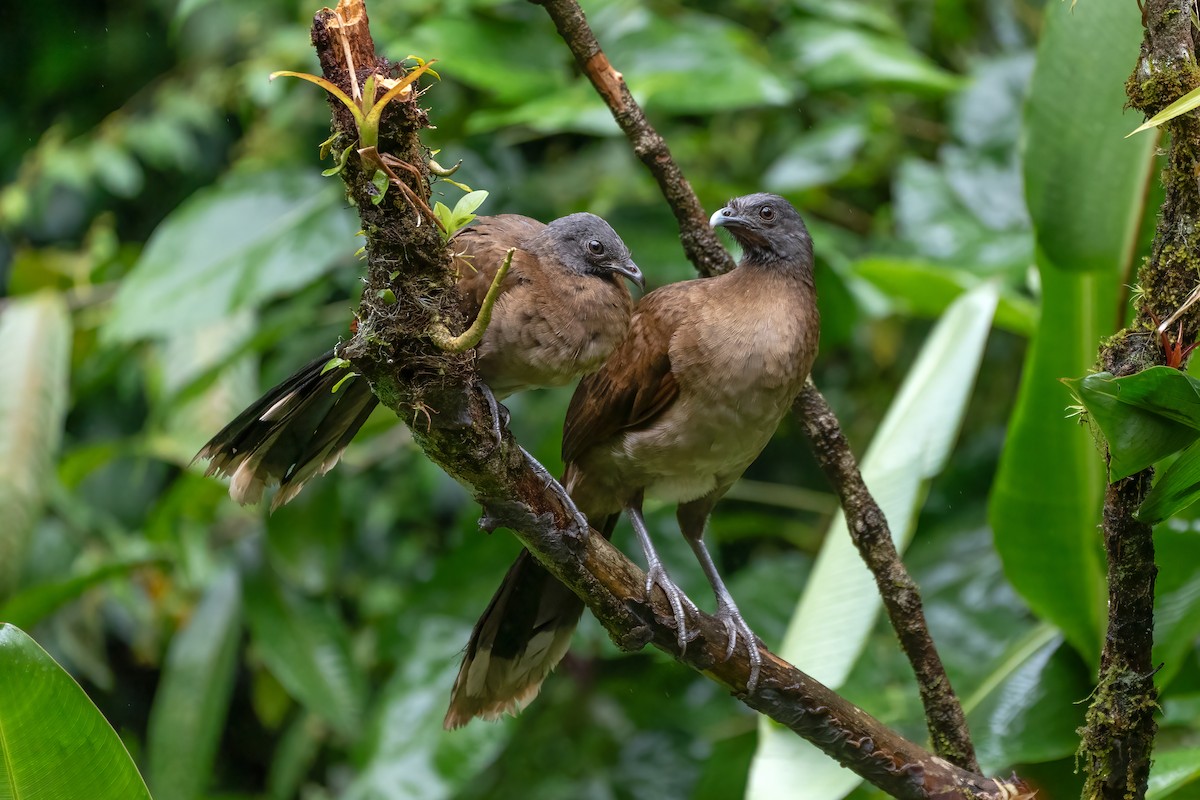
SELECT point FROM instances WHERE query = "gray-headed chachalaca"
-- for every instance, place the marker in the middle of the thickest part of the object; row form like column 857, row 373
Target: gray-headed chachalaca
column 687, row 401
column 563, row 309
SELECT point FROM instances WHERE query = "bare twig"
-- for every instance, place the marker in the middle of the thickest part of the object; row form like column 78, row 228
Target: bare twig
column 868, row 527
column 699, row 242
column 901, row 598
column 409, row 373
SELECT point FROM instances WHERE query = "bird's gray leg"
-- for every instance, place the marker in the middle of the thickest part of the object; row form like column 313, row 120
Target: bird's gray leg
column 656, row 575
column 692, row 517
column 549, row 480
column 494, row 407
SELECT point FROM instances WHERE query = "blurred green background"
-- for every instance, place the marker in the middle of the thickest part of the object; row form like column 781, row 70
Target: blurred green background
column 170, row 250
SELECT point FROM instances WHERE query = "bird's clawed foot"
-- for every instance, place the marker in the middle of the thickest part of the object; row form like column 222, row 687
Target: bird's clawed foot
column 657, row 576
column 548, row 480
column 731, row 618
column 499, row 413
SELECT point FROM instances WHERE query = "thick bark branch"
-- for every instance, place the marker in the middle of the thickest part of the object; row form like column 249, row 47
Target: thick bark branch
column 868, row 527
column 434, row 392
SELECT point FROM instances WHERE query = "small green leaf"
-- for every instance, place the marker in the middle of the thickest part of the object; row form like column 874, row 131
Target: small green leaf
column 326, row 146
column 1181, row 106
column 467, row 205
column 446, row 217
column 340, row 165
column 380, row 181
column 335, row 363
column 387, row 296
column 1144, row 417
column 337, row 386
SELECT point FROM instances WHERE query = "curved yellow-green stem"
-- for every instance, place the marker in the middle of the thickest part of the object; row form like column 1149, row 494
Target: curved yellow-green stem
column 368, row 130
column 327, row 86
column 440, row 334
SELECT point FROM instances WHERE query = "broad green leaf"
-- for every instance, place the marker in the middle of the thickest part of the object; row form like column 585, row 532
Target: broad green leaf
column 36, row 333
column 1181, row 106
column 1175, row 490
column 924, row 289
column 1085, row 218
column 1144, row 417
column 34, row 603
column 1044, row 511
column 307, row 648
column 192, row 700
column 1017, row 655
column 821, row 156
column 668, row 61
column 934, row 218
column 251, row 237
column 510, row 58
column 54, row 743
column 1176, row 601
column 840, row 602
column 410, row 757
column 1032, row 715
column 828, row 55
column 1173, row 770
column 575, row 108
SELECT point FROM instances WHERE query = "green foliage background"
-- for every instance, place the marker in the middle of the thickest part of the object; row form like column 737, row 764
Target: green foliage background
column 171, row 249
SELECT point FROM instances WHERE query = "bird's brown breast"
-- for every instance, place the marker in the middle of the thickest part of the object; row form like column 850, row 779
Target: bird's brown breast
column 735, row 351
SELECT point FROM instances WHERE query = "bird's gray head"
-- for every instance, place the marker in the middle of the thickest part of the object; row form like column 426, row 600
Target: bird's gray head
column 769, row 230
column 587, row 244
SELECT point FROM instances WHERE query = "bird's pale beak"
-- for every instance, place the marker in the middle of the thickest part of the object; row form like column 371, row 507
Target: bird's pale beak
column 630, row 270
column 723, row 216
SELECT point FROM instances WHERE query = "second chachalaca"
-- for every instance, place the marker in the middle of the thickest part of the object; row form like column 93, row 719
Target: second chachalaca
column 686, row 402
column 563, row 309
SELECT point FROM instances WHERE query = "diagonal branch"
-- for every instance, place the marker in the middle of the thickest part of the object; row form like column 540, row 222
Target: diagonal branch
column 409, row 294
column 868, row 527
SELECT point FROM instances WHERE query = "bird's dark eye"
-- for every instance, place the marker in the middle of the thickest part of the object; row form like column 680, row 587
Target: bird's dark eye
column 767, row 213
column 595, row 247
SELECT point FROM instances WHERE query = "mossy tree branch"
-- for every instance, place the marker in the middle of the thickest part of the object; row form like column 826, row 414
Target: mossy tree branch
column 1118, row 737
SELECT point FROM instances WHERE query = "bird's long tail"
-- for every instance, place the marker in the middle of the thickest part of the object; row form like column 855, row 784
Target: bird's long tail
column 520, row 638
column 291, row 434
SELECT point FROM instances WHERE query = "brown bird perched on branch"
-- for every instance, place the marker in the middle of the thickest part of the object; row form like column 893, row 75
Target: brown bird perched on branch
column 563, row 309
column 684, row 405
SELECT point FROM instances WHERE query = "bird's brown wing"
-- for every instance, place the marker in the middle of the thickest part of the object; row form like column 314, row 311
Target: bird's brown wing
column 636, row 383
column 480, row 250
